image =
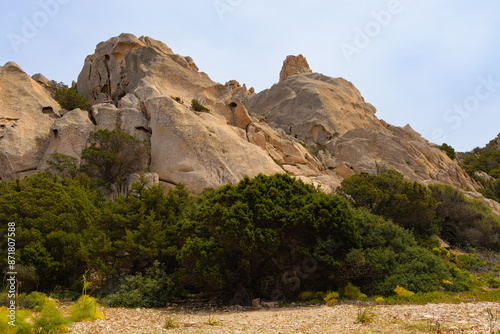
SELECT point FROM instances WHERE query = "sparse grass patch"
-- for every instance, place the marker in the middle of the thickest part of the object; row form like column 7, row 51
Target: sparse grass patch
column 424, row 326
column 365, row 315
column 171, row 322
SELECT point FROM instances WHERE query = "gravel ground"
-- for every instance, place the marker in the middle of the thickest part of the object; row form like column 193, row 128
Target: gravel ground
column 431, row 318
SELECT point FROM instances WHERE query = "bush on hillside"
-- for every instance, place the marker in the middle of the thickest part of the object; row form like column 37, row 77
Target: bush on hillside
column 408, row 204
column 390, row 256
column 465, row 221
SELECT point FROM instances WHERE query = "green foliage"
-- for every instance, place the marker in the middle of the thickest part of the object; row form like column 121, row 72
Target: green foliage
column 311, row 296
column 50, row 320
column 408, row 204
column 34, row 300
column 197, row 106
column 450, row 151
column 261, row 228
column 177, row 99
column 64, row 165
column 21, row 325
column 465, row 221
column 67, row 97
column 402, row 292
column 50, row 215
column 352, row 292
column 331, row 298
column 85, row 309
column 485, row 159
column 114, row 155
column 153, row 289
column 390, row 256
column 170, row 323
column 365, row 315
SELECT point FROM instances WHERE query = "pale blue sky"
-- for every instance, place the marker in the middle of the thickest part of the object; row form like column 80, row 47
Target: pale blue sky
column 425, row 63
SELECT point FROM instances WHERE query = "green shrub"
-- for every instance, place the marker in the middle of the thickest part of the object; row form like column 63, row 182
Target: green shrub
column 21, row 325
column 85, row 309
column 352, row 292
column 450, row 151
column 331, row 298
column 408, row 204
column 153, row 289
column 34, row 300
column 114, row 155
column 465, row 221
column 197, row 106
column 50, row 320
column 310, row 296
column 402, row 292
column 390, row 256
column 67, row 97
column 260, row 229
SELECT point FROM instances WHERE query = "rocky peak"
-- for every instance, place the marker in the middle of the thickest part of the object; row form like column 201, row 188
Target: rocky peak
column 294, row 65
column 238, row 91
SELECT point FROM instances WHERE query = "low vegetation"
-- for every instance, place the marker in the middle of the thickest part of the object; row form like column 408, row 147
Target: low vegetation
column 67, row 97
column 271, row 237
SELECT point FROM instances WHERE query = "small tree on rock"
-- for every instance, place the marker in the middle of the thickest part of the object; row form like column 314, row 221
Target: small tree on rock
column 114, row 155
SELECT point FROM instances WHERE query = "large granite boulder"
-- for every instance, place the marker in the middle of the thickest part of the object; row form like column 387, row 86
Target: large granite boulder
column 27, row 113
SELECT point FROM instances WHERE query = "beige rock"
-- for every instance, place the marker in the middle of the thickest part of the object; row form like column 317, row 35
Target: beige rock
column 27, row 112
column 198, row 150
column 129, row 120
column 69, row 135
column 140, row 76
column 41, row 79
column 331, row 117
column 294, row 65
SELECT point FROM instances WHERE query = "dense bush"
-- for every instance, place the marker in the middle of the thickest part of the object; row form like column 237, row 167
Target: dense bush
column 153, row 289
column 50, row 214
column 249, row 236
column 408, row 204
column 450, row 151
column 390, row 256
column 465, row 221
column 67, row 97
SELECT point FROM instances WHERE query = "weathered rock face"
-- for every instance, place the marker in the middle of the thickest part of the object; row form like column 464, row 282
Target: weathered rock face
column 27, row 112
column 69, row 135
column 200, row 149
column 147, row 92
column 331, row 117
column 294, row 65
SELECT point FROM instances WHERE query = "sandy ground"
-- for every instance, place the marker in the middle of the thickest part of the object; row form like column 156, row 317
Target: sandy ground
column 431, row 318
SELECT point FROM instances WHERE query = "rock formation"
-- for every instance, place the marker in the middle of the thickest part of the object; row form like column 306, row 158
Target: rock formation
column 294, row 65
column 318, row 128
column 143, row 88
column 332, row 119
column 27, row 112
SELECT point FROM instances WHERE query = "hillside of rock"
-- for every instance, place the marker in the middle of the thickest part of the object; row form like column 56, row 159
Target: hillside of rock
column 310, row 125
